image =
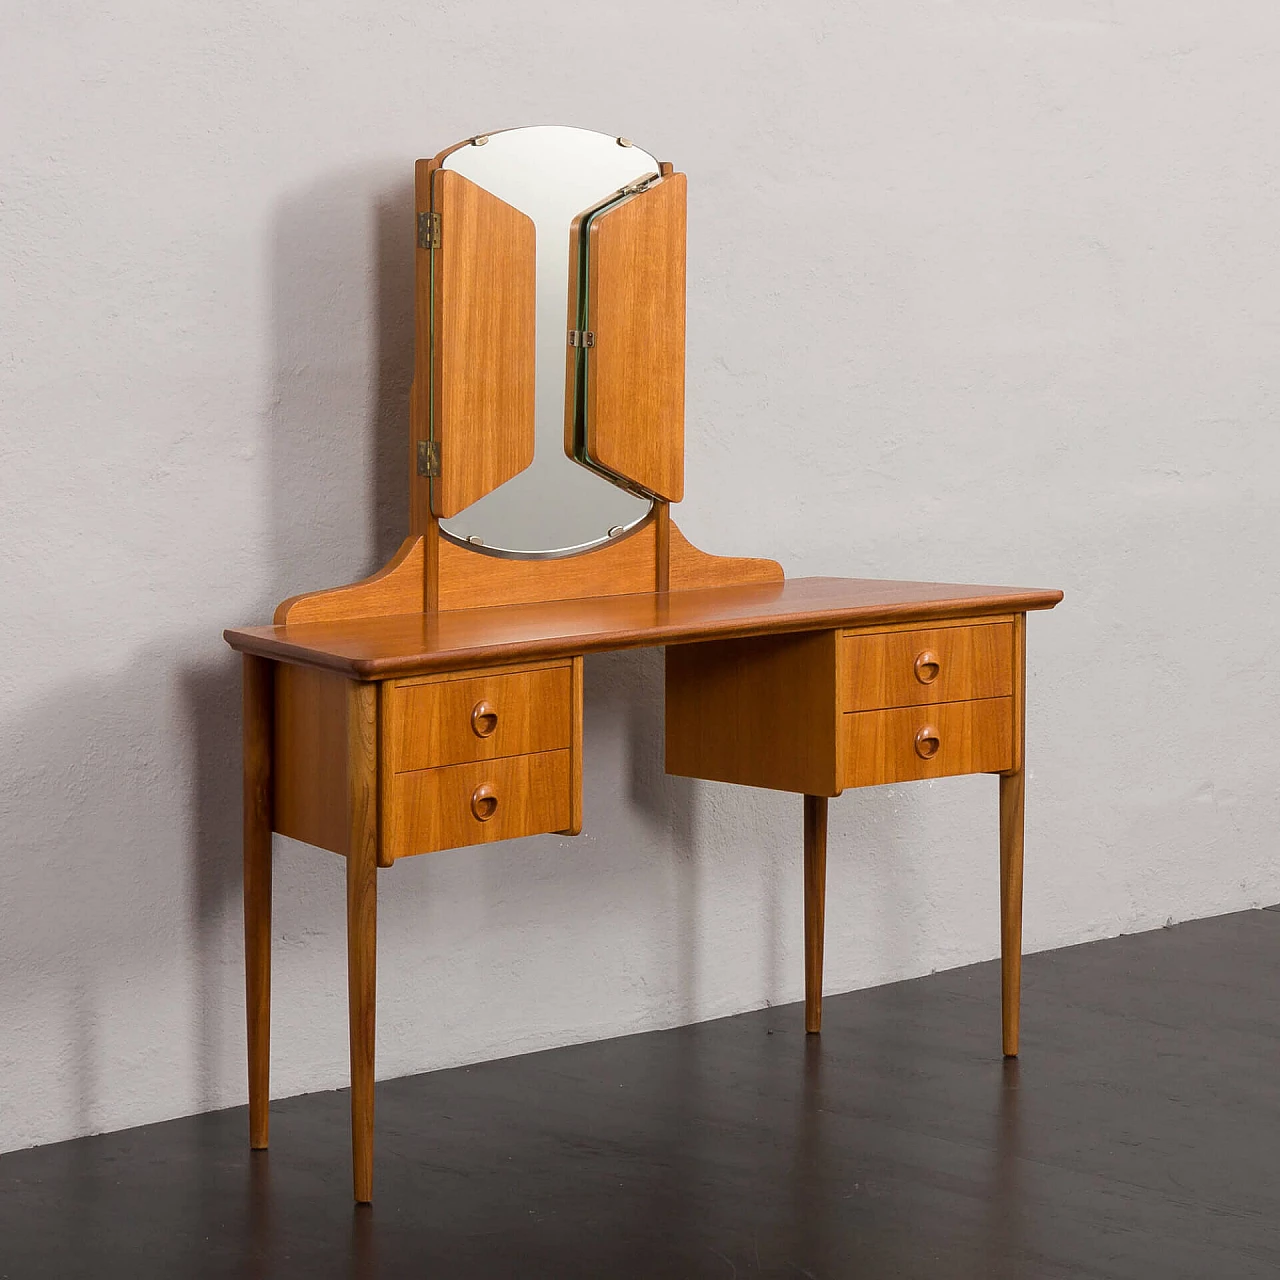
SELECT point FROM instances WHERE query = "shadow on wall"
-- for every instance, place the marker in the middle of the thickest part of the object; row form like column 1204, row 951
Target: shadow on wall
column 342, row 324
column 119, row 916
column 131, row 859
column 114, row 929
column 342, row 335
column 627, row 689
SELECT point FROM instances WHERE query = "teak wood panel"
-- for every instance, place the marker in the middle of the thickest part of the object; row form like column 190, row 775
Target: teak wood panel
column 395, row 588
column 450, row 640
column 884, row 746
column 311, row 762
column 689, row 569
column 443, row 722
column 911, row 668
column 483, row 347
column 757, row 712
column 471, row 579
column 636, row 310
column 639, row 561
column 654, row 556
column 434, row 809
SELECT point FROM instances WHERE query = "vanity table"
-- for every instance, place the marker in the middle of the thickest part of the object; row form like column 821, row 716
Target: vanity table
column 438, row 704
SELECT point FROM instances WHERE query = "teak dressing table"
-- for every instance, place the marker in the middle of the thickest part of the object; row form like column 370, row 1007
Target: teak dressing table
column 438, row 704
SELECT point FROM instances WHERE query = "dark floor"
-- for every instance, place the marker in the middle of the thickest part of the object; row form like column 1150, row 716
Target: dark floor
column 1139, row 1135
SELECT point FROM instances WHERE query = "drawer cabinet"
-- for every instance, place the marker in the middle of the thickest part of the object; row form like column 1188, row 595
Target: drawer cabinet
column 440, row 761
column 481, row 756
column 819, row 711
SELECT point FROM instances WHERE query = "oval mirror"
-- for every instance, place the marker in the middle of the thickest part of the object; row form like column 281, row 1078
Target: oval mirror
column 551, row 173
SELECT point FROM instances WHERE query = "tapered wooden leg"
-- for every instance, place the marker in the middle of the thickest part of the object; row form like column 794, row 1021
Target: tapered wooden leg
column 815, row 894
column 362, row 925
column 362, row 911
column 1011, row 821
column 257, row 727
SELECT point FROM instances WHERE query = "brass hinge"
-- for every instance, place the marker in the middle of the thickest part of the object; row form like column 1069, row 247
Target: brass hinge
column 581, row 338
column 429, row 458
column 428, row 230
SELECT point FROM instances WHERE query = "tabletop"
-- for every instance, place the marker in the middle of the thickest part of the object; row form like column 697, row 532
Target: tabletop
column 413, row 643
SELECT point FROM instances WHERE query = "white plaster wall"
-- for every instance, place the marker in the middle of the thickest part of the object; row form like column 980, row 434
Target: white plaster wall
column 982, row 292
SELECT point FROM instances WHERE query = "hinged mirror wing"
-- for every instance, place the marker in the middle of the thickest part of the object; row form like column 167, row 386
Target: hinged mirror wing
column 480, row 253
column 627, row 337
column 495, row 498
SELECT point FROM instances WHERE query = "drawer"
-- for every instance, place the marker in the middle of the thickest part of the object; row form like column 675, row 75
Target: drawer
column 432, row 809
column 916, row 668
column 442, row 722
column 904, row 744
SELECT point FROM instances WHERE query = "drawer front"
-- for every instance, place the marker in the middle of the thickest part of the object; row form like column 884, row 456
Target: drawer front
column 916, row 668
column 908, row 743
column 446, row 722
column 433, row 809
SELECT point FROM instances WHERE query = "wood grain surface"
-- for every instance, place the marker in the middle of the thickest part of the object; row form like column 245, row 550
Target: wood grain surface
column 636, row 310
column 911, row 668
column 1012, row 800
column 575, row 749
column 689, row 569
column 257, row 710
column 378, row 648
column 431, row 809
column 469, row 579
column 311, row 756
column 433, row 723
column 483, row 347
column 815, row 907
column 361, row 794
column 972, row 737
column 395, row 588
column 759, row 712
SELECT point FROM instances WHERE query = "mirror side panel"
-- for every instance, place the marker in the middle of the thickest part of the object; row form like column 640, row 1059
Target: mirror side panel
column 634, row 404
column 483, row 317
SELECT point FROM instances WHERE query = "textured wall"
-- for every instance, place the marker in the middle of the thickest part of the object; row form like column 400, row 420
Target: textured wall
column 982, row 292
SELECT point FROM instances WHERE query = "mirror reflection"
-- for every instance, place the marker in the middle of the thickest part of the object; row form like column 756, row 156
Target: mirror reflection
column 551, row 173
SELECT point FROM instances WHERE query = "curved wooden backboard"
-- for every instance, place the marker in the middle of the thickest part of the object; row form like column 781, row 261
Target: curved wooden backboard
column 635, row 311
column 484, row 310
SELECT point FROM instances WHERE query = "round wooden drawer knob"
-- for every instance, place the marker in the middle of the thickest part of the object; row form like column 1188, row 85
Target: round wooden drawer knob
column 928, row 743
column 484, row 802
column 484, row 719
column 928, row 666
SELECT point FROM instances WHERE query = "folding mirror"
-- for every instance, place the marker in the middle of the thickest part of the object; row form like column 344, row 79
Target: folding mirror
column 625, row 394
column 523, row 460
